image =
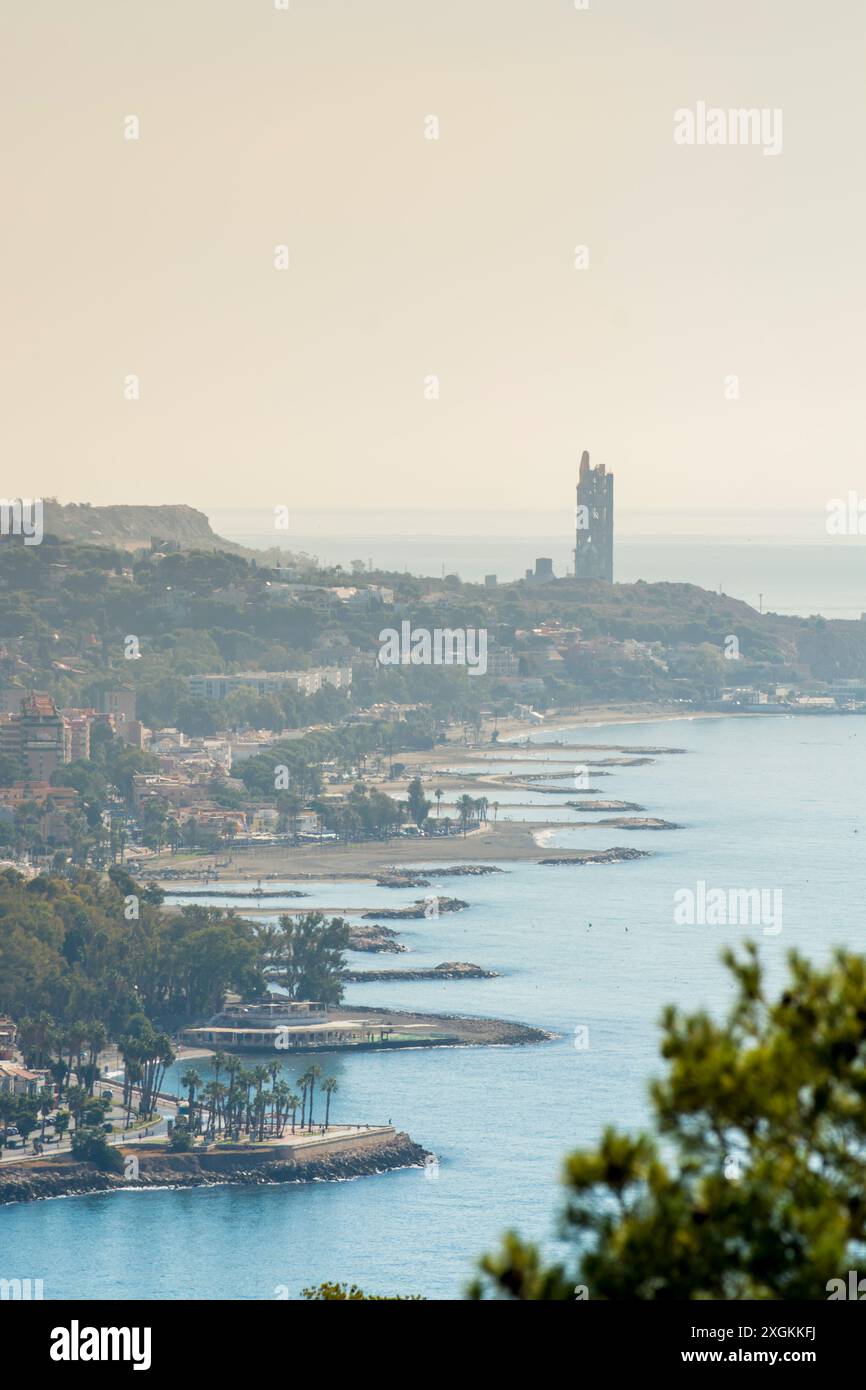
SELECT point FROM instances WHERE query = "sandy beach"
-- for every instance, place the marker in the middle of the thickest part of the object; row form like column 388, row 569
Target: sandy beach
column 455, row 767
column 507, row 842
column 633, row 713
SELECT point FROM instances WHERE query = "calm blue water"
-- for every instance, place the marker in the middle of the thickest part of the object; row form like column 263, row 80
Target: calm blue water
column 765, row 802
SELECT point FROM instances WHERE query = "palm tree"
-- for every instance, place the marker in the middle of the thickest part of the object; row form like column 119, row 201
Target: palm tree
column 97, row 1037
column 292, row 1102
column 46, row 1105
column 131, row 1076
column 304, row 1083
column 281, row 1097
column 38, row 1039
column 161, row 1057
column 76, row 1099
column 329, row 1086
column 466, row 807
column 438, row 795
column 60, row 1074
column 261, row 1075
column 192, row 1081
column 233, row 1071
column 218, row 1061
column 236, row 1097
column 74, row 1040
column 238, row 1103
column 313, row 1073
column 215, row 1092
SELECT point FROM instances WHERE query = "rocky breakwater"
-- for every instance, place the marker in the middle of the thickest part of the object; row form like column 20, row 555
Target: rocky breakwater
column 412, row 878
column 418, row 910
column 332, row 1159
column 634, row 823
column 447, row 970
column 244, row 893
column 617, row 855
column 374, row 939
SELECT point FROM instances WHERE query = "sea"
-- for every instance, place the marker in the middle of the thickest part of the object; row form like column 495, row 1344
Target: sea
column 590, row 953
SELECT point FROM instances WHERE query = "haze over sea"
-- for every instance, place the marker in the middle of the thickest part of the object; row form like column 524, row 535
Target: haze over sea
column 765, row 802
column 785, row 561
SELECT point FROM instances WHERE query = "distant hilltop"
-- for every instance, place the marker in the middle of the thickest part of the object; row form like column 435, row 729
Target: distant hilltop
column 134, row 528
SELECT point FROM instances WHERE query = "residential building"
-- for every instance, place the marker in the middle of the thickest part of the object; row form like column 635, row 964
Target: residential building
column 177, row 791
column 76, row 725
column 40, row 792
column 21, row 1081
column 217, row 687
column 8, row 1034
column 10, row 699
column 502, row 661
column 132, row 731
column 36, row 737
column 120, row 704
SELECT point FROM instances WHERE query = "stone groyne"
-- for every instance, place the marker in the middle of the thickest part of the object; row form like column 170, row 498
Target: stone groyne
column 333, row 1159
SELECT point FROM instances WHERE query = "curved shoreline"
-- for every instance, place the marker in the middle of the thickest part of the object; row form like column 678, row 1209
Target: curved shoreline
column 500, row 844
column 33, row 1182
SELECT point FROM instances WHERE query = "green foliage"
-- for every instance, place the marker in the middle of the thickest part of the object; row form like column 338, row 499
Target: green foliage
column 197, row 718
column 147, row 1055
column 9, row 770
column 754, row 1186
column 94, row 1112
column 364, row 813
column 181, row 1141
column 66, row 607
column 419, row 806
column 26, row 1114
column 92, row 1146
column 68, row 952
column 306, row 956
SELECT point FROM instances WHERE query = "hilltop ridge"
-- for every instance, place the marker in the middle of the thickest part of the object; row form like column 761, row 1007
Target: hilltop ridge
column 134, row 527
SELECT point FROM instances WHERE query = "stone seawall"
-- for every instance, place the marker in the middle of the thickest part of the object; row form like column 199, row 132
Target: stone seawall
column 344, row 1158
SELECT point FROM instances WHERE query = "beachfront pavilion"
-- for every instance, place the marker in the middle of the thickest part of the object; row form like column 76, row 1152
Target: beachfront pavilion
column 286, row 1037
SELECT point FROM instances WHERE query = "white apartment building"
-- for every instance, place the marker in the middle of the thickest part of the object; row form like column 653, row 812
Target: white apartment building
column 217, row 687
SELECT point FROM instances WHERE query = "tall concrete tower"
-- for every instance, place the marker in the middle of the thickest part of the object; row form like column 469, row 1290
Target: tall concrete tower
column 593, row 550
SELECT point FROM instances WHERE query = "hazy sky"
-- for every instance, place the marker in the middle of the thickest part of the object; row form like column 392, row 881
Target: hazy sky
column 411, row 257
